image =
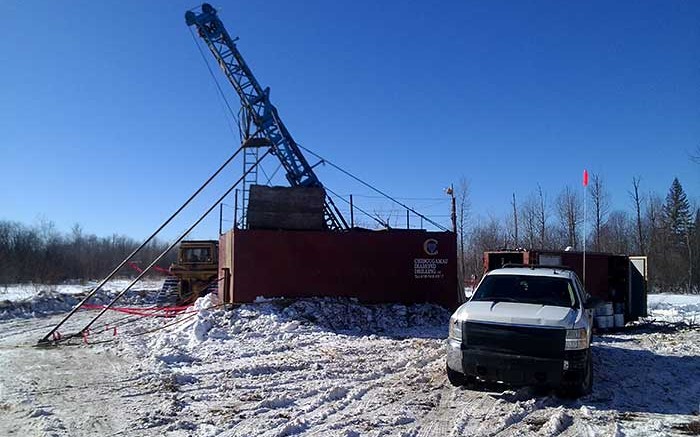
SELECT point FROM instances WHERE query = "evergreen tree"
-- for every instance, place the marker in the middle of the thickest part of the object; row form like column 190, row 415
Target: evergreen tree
column 695, row 238
column 676, row 212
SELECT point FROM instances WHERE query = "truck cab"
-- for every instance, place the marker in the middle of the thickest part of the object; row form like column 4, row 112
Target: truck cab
column 524, row 325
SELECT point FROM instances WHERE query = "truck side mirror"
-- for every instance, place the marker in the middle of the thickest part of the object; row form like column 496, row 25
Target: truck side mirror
column 592, row 302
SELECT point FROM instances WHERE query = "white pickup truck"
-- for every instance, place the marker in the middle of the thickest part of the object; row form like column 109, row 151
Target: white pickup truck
column 524, row 325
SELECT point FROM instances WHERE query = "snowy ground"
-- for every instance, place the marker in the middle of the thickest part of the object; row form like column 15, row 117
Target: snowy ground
column 32, row 300
column 674, row 307
column 328, row 367
column 16, row 292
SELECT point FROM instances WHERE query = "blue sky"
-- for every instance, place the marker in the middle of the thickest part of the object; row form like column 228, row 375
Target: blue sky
column 109, row 118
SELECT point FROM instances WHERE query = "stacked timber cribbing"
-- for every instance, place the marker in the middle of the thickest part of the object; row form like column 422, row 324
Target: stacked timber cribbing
column 286, row 208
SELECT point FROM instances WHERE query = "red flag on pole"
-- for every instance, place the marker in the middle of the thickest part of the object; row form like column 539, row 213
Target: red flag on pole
column 585, row 178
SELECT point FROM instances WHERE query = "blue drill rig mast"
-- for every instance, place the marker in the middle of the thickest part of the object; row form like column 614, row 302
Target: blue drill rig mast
column 260, row 123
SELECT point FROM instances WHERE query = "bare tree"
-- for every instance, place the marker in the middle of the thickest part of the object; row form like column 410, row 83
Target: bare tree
column 41, row 253
column 601, row 206
column 534, row 220
column 541, row 212
column 657, row 247
column 616, row 233
column 514, row 234
column 570, row 214
column 637, row 202
column 485, row 236
column 463, row 203
column 528, row 212
column 382, row 217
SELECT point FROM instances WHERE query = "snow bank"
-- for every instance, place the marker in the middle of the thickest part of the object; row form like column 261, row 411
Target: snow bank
column 347, row 316
column 43, row 304
column 674, row 307
column 268, row 321
column 17, row 292
column 280, row 325
column 47, row 299
column 296, row 365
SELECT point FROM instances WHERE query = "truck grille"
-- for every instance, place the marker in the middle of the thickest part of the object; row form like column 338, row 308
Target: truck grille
column 516, row 340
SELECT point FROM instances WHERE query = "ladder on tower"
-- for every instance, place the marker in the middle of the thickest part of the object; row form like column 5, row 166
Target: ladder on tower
column 250, row 157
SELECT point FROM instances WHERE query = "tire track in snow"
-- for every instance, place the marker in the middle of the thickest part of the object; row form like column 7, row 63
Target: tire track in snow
column 350, row 407
column 439, row 421
column 64, row 390
column 475, row 406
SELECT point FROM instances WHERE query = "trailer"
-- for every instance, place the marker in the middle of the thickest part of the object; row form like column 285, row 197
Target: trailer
column 617, row 279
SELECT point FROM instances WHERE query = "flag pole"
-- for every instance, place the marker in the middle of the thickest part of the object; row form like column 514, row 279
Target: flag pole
column 585, row 186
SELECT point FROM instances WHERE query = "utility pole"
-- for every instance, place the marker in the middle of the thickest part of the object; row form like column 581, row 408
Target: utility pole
column 235, row 209
column 453, row 215
column 221, row 217
column 352, row 213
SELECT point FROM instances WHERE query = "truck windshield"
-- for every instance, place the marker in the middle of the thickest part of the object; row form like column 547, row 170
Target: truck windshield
column 542, row 290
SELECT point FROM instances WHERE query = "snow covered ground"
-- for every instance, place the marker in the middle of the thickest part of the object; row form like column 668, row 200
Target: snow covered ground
column 674, row 307
column 327, row 367
column 32, row 300
column 16, row 292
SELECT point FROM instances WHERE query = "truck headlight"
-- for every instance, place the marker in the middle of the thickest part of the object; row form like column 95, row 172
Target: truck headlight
column 455, row 328
column 576, row 339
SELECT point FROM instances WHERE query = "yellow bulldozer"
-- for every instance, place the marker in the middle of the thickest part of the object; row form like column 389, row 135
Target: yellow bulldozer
column 196, row 270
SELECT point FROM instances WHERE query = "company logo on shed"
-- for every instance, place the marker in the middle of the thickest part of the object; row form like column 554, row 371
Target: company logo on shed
column 429, row 268
column 430, row 246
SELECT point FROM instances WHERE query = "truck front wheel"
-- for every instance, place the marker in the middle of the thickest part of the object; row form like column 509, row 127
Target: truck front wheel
column 580, row 386
column 459, row 379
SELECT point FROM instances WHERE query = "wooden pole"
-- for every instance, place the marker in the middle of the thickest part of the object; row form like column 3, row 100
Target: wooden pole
column 352, row 213
column 235, row 209
column 221, row 216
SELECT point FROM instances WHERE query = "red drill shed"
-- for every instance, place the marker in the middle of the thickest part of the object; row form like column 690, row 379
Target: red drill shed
column 385, row 266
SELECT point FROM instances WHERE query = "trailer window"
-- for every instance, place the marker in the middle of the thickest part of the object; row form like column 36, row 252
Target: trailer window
column 197, row 255
column 541, row 290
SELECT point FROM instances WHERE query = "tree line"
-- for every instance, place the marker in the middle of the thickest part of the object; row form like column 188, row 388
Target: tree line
column 666, row 229
column 41, row 254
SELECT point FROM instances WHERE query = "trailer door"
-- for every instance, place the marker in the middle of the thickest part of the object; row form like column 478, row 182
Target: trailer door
column 637, row 301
